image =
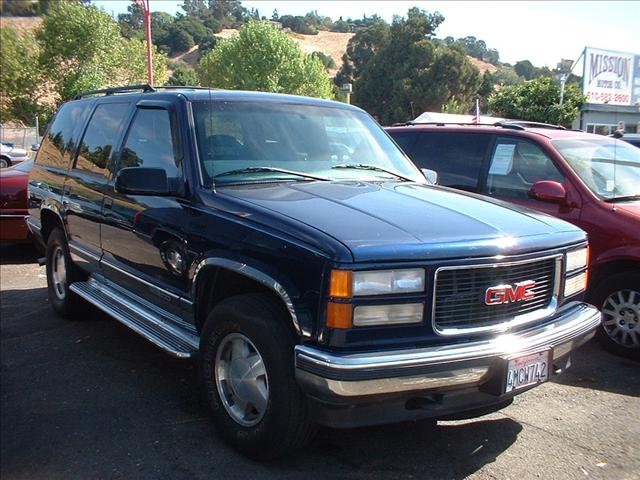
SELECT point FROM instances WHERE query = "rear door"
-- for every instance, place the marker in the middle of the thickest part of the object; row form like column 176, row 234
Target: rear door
column 143, row 236
column 87, row 180
column 514, row 166
column 457, row 157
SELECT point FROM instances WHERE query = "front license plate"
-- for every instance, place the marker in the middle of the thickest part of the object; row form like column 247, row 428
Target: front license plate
column 528, row 370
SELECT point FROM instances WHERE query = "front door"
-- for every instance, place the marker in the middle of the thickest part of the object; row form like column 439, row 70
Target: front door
column 143, row 240
column 515, row 165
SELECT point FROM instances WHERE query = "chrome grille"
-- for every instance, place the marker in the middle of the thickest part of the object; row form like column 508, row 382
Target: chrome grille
column 459, row 296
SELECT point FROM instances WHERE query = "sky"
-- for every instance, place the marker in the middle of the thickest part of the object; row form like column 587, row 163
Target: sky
column 540, row 31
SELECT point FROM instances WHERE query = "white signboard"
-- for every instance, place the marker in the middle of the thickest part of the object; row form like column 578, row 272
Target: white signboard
column 607, row 76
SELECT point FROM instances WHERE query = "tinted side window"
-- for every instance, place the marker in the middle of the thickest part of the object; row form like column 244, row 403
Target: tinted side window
column 405, row 140
column 151, row 143
column 517, row 164
column 61, row 141
column 457, row 157
column 100, row 138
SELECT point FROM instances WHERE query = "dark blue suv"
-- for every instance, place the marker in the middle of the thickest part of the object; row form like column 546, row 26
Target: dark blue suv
column 289, row 245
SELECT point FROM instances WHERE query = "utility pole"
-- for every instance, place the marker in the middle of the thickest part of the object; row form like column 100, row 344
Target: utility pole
column 147, row 25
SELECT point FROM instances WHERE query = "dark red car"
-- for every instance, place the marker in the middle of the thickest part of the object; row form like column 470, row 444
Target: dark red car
column 588, row 180
column 13, row 202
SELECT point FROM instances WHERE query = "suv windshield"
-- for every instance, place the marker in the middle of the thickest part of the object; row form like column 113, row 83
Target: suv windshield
column 610, row 168
column 249, row 141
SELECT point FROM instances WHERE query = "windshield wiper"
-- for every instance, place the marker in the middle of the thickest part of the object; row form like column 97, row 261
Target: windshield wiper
column 364, row 166
column 625, row 198
column 240, row 171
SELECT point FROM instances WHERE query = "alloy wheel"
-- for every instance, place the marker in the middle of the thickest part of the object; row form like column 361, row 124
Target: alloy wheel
column 241, row 379
column 59, row 273
column 621, row 317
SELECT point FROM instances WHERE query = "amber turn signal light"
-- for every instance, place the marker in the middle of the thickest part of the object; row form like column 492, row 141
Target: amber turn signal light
column 339, row 315
column 341, row 284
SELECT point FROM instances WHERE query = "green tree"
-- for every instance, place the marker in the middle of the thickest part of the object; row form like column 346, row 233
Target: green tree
column 412, row 69
column 19, row 76
column 81, row 49
column 183, row 75
column 538, row 100
column 263, row 58
column 360, row 49
column 327, row 60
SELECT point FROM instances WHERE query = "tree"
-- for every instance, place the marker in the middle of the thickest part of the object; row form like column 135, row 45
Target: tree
column 360, row 49
column 263, row 58
column 538, row 101
column 81, row 49
column 409, row 68
column 132, row 22
column 327, row 60
column 183, row 75
column 19, row 76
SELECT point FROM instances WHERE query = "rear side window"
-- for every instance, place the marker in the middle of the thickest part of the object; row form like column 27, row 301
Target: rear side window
column 61, row 140
column 457, row 157
column 405, row 140
column 517, row 164
column 151, row 143
column 100, row 138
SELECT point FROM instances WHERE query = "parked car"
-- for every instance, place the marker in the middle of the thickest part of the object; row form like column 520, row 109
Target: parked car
column 318, row 282
column 632, row 138
column 589, row 180
column 13, row 202
column 10, row 155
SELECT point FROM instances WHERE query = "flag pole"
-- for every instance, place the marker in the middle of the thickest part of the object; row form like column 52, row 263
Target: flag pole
column 147, row 25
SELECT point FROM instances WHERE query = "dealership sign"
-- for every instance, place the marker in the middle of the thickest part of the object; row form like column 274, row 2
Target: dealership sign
column 608, row 76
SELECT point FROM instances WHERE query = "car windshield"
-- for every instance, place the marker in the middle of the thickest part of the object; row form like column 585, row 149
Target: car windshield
column 242, row 141
column 610, row 168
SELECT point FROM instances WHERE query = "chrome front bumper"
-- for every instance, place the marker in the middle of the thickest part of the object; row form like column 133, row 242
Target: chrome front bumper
column 341, row 377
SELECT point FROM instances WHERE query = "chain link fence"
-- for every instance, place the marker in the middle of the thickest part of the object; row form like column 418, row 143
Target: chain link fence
column 22, row 137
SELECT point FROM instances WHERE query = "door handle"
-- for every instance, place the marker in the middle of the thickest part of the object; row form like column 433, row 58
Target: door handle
column 65, row 190
column 108, row 202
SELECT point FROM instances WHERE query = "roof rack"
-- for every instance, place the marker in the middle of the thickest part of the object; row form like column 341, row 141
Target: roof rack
column 184, row 87
column 523, row 125
column 110, row 91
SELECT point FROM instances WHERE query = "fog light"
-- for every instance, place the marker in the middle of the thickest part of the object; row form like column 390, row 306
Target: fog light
column 371, row 315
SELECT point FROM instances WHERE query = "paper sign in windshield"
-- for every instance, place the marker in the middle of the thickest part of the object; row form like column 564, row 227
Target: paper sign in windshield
column 502, row 161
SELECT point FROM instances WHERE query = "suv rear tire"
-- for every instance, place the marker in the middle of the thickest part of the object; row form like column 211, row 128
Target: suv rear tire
column 619, row 299
column 60, row 274
column 247, row 375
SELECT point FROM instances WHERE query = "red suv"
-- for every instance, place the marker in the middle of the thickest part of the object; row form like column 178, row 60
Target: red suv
column 588, row 180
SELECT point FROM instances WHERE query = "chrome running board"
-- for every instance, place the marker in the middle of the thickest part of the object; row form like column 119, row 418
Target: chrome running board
column 151, row 325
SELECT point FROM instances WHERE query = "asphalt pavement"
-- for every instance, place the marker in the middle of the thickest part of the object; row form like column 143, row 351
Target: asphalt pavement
column 89, row 399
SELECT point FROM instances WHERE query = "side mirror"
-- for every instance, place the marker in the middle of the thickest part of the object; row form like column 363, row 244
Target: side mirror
column 430, row 175
column 142, row 181
column 35, row 147
column 548, row 191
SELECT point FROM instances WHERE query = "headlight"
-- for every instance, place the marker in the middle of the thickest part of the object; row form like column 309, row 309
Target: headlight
column 345, row 284
column 575, row 284
column 577, row 259
column 371, row 315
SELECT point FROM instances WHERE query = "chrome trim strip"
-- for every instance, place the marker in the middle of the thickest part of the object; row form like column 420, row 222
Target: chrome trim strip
column 509, row 323
column 135, row 277
column 572, row 329
column 83, row 251
column 246, row 270
column 10, row 215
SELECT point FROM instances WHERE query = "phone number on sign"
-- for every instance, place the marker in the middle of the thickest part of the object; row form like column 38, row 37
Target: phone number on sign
column 608, row 97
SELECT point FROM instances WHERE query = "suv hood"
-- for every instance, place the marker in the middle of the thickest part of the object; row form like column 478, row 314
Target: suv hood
column 409, row 221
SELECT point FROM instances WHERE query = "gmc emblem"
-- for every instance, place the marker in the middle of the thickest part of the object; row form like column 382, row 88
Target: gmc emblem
column 509, row 293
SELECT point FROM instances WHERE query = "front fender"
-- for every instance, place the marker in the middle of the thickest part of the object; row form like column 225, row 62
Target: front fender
column 263, row 274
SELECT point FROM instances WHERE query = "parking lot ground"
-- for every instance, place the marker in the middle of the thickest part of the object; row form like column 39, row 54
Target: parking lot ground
column 89, row 399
